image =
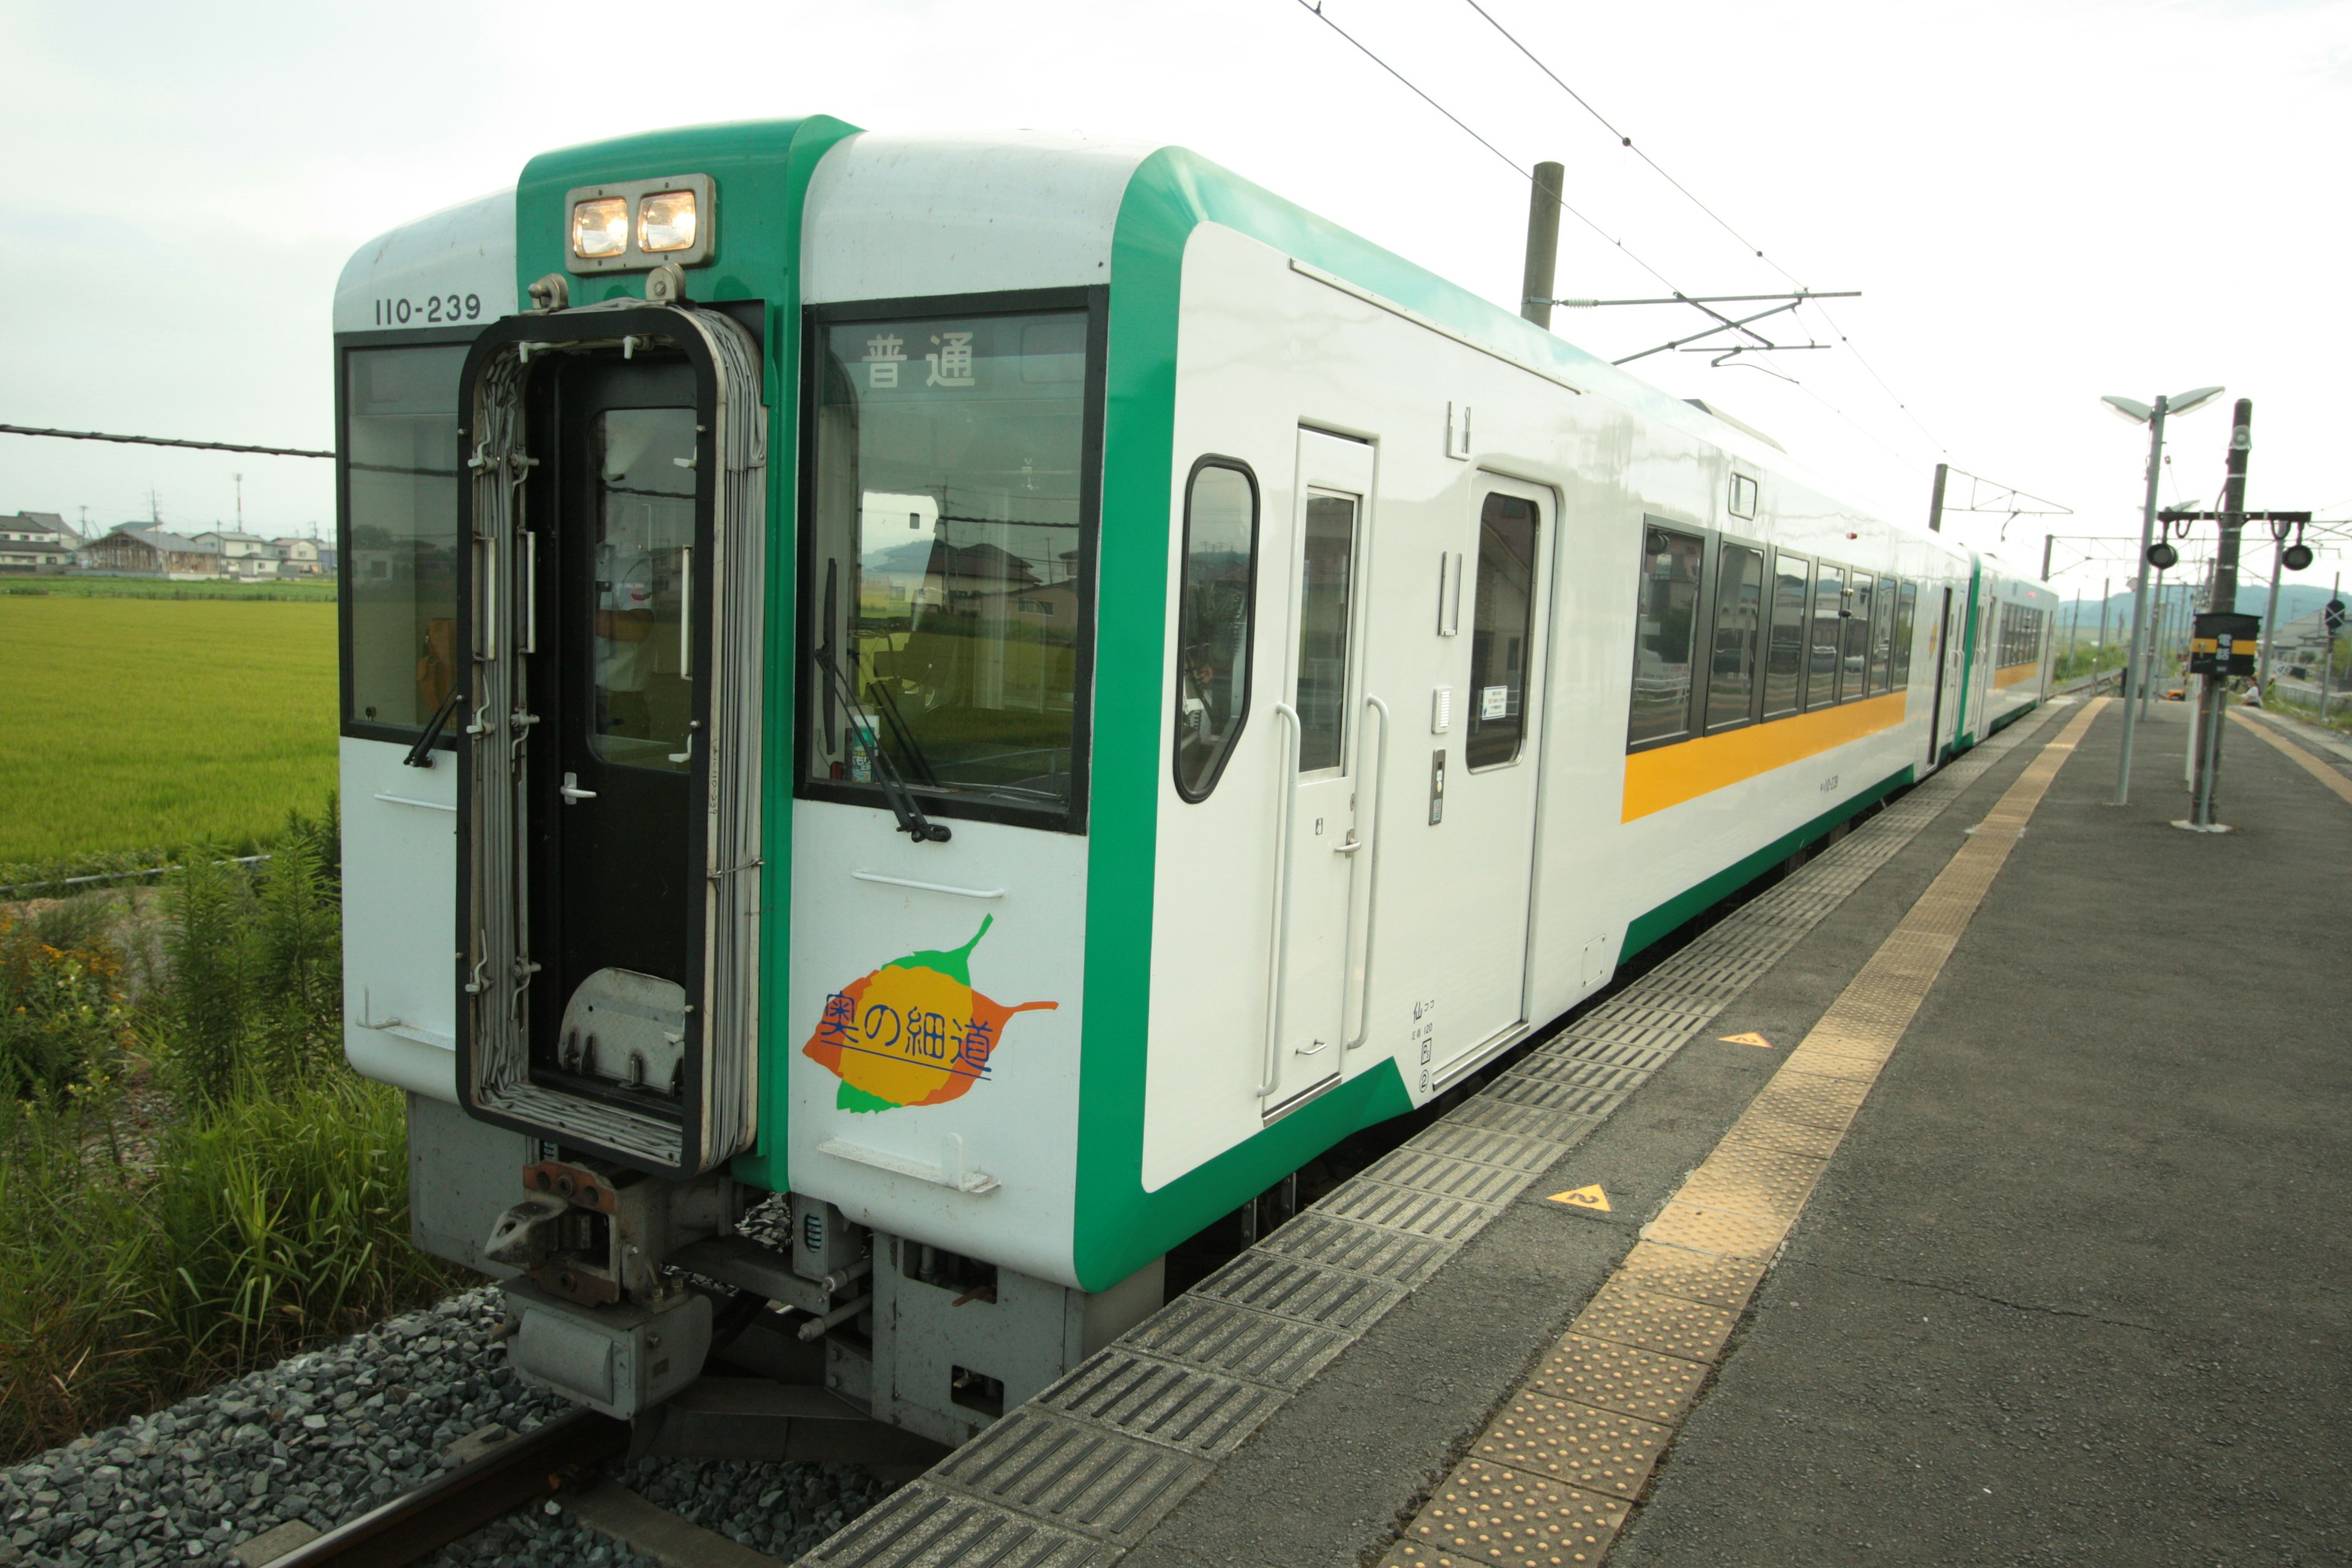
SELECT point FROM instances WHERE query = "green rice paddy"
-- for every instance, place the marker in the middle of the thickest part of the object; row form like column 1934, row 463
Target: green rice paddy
column 129, row 724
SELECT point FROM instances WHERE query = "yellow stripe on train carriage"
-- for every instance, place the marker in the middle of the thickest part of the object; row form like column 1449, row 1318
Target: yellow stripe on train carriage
column 2010, row 674
column 1669, row 775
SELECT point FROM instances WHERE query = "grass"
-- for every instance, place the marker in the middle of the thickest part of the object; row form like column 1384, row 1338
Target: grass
column 191, row 1182
column 135, row 723
column 307, row 590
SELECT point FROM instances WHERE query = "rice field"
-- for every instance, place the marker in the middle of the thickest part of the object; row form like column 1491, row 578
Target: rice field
column 129, row 724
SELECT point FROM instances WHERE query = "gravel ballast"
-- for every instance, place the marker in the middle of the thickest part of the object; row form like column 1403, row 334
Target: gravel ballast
column 325, row 1436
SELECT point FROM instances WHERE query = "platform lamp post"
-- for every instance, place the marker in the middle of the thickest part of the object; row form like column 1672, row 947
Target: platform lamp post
column 2137, row 661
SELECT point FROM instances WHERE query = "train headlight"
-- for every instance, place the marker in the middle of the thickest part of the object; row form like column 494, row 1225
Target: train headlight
column 666, row 221
column 599, row 227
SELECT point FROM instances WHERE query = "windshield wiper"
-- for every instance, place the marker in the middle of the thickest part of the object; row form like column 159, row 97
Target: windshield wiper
column 420, row 755
column 911, row 820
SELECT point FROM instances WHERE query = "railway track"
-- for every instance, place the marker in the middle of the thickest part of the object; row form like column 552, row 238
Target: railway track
column 535, row 1466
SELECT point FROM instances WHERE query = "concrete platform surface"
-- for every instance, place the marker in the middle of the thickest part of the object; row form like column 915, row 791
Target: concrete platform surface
column 2077, row 1286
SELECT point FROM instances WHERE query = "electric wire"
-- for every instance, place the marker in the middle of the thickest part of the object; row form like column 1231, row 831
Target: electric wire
column 1314, row 8
column 165, row 441
column 1720, row 221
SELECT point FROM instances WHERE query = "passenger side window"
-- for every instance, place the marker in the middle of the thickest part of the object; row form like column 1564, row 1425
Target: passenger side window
column 1855, row 668
column 1738, row 616
column 1882, row 635
column 1907, row 613
column 1214, row 617
column 1666, row 607
column 1784, row 658
column 1499, row 637
column 1821, row 653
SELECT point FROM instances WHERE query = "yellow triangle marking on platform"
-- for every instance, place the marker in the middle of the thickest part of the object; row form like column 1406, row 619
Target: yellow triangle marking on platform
column 1590, row 1197
column 1751, row 1039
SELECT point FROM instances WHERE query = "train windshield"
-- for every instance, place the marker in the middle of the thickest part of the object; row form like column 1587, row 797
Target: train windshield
column 948, row 600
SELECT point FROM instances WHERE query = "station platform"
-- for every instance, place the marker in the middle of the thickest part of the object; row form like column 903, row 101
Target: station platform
column 1973, row 1194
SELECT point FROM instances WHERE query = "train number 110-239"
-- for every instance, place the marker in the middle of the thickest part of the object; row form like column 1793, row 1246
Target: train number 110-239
column 434, row 310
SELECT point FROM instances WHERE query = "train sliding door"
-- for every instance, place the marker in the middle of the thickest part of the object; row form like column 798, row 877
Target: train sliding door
column 1318, row 727
column 1489, row 818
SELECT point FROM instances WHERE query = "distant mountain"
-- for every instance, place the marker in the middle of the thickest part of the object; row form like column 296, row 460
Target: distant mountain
column 2296, row 600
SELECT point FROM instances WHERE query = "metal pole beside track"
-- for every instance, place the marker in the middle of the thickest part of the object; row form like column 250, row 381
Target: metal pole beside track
column 1543, row 244
column 2213, row 696
column 2135, row 651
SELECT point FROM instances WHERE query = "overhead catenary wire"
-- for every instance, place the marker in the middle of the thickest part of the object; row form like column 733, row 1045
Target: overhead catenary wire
column 162, row 441
column 1314, row 8
column 1721, row 222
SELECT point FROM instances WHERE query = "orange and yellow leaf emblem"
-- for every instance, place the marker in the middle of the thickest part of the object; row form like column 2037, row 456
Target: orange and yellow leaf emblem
column 913, row 1031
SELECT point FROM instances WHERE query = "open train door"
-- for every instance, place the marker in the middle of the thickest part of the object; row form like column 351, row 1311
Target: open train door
column 1941, row 655
column 612, row 584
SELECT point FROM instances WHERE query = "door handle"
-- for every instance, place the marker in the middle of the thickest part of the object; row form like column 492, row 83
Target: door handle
column 1350, row 846
column 571, row 791
column 1315, row 1049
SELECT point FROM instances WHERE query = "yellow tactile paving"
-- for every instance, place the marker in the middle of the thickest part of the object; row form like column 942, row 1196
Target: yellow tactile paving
column 2309, row 763
column 1747, row 1179
column 1623, row 1378
column 1509, row 1518
column 1597, row 1449
column 1670, row 1271
column 1669, row 1325
column 1716, row 1230
column 1597, row 1412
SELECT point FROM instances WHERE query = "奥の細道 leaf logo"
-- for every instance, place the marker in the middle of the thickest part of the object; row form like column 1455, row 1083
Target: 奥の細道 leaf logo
column 913, row 1031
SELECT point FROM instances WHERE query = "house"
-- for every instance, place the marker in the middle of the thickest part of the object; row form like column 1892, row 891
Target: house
column 300, row 557
column 148, row 549
column 239, row 555
column 37, row 541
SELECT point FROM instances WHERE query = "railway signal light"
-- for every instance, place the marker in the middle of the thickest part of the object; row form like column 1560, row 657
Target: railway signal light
column 2334, row 616
column 2162, row 555
column 2297, row 557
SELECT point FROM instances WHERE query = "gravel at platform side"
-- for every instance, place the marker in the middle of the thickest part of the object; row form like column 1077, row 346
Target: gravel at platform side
column 325, row 1436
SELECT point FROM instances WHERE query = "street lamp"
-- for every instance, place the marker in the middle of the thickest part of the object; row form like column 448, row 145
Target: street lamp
column 2137, row 655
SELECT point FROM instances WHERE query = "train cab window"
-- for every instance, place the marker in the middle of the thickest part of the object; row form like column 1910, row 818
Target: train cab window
column 1853, row 666
column 1666, row 635
column 1827, row 636
column 1213, row 620
column 1739, row 627
column 1784, row 653
column 1906, row 621
column 1499, row 638
column 947, row 574
column 1881, row 634
column 400, row 534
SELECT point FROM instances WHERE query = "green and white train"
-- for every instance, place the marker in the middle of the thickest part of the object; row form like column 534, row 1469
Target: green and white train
column 1016, row 690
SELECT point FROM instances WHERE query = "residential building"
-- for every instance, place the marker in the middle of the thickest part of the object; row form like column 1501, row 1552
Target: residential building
column 148, row 549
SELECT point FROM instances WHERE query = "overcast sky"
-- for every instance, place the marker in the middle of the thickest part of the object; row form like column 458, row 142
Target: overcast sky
column 2041, row 201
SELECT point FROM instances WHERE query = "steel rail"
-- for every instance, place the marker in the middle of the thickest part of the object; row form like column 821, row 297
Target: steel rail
column 457, row 1502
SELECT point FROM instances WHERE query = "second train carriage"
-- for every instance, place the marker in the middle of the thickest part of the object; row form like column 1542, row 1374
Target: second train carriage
column 1016, row 688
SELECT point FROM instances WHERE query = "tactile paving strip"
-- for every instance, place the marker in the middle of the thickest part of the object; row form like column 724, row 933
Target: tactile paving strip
column 1749, row 1179
column 1280, row 1351
column 1430, row 1172
column 1397, row 1261
column 1509, row 1518
column 1724, row 1282
column 1510, row 1151
column 1716, row 1230
column 920, row 1526
column 1598, row 1450
column 1669, row 1325
column 1623, row 1378
column 1402, row 1209
column 1185, row 1407
column 1301, row 1290
column 1072, row 1475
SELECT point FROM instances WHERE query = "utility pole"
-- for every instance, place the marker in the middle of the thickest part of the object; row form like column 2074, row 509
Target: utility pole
column 2135, row 655
column 2327, row 668
column 2213, row 693
column 2047, row 541
column 2269, row 612
column 2099, row 649
column 1543, row 244
column 1935, row 501
column 240, row 501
